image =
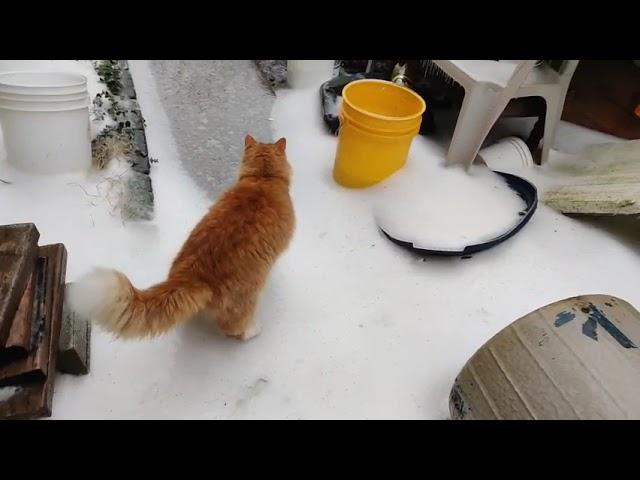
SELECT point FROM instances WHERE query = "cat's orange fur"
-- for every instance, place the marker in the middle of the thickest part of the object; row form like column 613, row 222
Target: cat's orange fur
column 220, row 269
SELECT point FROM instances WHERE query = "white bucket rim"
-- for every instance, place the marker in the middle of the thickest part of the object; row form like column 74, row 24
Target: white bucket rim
column 43, row 107
column 24, row 98
column 73, row 79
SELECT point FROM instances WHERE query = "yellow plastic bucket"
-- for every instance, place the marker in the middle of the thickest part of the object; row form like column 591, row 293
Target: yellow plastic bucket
column 378, row 122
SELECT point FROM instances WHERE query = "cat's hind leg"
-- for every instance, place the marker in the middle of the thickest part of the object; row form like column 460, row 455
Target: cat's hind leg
column 238, row 319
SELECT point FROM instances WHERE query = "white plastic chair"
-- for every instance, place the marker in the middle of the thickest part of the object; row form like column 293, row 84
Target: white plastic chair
column 489, row 86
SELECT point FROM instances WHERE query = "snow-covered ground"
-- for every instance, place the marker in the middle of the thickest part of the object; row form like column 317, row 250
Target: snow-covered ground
column 353, row 326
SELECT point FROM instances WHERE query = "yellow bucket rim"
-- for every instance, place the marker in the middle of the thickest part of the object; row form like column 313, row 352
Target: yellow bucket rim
column 345, row 98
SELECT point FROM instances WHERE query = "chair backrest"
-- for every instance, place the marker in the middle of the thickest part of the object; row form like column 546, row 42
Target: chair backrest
column 520, row 74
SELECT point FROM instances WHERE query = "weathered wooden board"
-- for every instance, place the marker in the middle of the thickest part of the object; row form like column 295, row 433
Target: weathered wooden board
column 18, row 246
column 74, row 351
column 19, row 341
column 34, row 399
column 597, row 196
column 603, row 180
column 29, row 318
column 35, row 366
column 20, row 333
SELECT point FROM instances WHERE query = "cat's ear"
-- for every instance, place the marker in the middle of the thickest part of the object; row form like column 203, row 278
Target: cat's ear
column 281, row 144
column 249, row 141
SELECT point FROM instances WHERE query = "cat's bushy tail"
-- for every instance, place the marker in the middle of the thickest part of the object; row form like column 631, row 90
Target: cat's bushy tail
column 108, row 298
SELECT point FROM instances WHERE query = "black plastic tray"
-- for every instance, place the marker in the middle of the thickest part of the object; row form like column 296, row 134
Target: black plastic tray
column 526, row 190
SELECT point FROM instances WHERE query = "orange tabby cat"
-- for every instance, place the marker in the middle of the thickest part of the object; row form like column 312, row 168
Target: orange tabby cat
column 220, row 269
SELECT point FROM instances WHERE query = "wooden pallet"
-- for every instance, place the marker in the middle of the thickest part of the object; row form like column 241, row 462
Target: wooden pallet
column 32, row 281
column 35, row 365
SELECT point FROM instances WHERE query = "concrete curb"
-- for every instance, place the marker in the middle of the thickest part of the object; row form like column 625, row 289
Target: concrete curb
column 139, row 199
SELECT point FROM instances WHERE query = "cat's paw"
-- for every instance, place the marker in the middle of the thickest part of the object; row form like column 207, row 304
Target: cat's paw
column 251, row 332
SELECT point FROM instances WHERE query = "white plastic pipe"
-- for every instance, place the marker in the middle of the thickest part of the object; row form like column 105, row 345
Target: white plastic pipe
column 507, row 154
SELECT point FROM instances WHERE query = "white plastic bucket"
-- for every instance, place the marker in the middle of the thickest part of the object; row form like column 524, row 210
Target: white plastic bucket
column 45, row 121
column 26, row 65
column 508, row 153
column 309, row 73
